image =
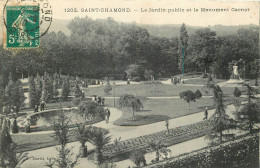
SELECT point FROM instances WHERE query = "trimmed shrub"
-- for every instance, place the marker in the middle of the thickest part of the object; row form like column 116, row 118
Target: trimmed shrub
column 237, row 92
column 107, row 88
column 188, row 96
column 198, row 94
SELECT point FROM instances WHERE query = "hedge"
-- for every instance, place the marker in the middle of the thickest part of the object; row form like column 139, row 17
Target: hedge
column 240, row 153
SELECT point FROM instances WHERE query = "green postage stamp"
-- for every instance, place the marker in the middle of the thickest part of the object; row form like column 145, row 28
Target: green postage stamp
column 22, row 23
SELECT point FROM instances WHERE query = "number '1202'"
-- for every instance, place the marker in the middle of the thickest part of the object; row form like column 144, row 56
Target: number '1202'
column 71, row 10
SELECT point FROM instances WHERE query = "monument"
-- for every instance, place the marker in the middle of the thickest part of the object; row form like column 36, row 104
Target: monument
column 235, row 77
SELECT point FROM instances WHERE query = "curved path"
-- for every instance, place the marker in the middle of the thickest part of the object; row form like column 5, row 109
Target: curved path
column 128, row 133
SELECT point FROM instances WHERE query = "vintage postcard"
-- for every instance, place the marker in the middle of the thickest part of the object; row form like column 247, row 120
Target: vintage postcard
column 129, row 84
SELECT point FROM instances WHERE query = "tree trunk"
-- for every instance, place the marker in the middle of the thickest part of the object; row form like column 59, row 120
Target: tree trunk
column 220, row 137
column 133, row 112
column 98, row 157
column 250, row 127
column 189, row 105
column 83, row 151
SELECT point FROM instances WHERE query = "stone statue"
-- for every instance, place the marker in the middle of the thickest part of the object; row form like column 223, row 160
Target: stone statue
column 235, row 74
column 235, row 77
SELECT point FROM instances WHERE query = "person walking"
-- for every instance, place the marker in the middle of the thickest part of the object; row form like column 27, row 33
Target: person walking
column 108, row 115
column 99, row 100
column 8, row 123
column 43, row 105
column 167, row 125
column 15, row 128
column 83, row 93
column 28, row 125
column 103, row 101
column 36, row 108
column 206, row 114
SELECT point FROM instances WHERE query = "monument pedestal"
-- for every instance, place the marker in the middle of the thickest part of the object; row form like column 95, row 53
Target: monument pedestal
column 235, row 78
column 235, row 81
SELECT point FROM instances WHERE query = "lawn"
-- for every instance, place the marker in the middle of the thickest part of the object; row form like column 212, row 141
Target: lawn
column 203, row 81
column 30, row 142
column 35, row 141
column 151, row 90
column 156, row 110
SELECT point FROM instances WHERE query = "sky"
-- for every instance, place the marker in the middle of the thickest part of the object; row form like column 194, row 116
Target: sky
column 249, row 13
column 251, row 16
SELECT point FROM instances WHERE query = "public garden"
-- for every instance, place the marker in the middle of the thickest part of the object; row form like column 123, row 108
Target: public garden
column 125, row 107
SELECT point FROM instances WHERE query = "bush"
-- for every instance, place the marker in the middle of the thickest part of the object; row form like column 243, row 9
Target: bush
column 188, row 96
column 76, row 101
column 256, row 83
column 138, row 158
column 198, row 94
column 148, row 74
column 237, row 92
column 107, row 88
column 77, row 91
column 91, row 110
column 134, row 71
column 136, row 79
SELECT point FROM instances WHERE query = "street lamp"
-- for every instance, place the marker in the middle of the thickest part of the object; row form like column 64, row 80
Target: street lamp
column 114, row 94
column 60, row 95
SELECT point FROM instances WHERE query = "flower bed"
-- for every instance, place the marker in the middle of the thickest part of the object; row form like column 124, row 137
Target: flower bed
column 242, row 152
column 176, row 135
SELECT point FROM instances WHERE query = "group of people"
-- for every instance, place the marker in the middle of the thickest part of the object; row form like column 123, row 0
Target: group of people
column 10, row 110
column 175, row 80
column 42, row 107
column 99, row 100
column 10, row 123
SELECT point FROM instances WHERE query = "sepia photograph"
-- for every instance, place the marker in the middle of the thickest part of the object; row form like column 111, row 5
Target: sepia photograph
column 129, row 84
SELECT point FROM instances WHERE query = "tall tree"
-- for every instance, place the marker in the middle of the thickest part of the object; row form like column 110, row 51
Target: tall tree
column 99, row 139
column 61, row 135
column 77, row 91
column 38, row 88
column 202, row 48
column 9, row 93
column 219, row 121
column 18, row 96
column 44, row 95
column 65, row 88
column 249, row 114
column 183, row 46
column 32, row 93
column 131, row 101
